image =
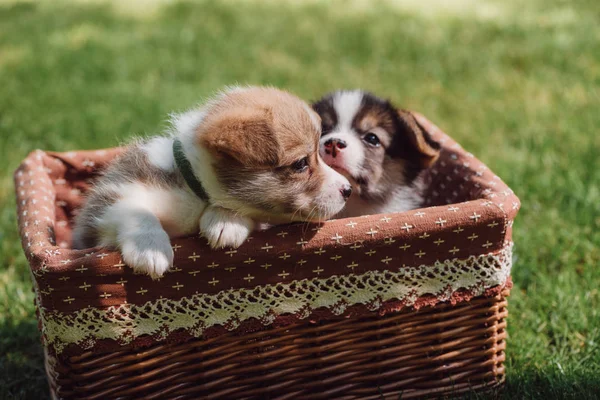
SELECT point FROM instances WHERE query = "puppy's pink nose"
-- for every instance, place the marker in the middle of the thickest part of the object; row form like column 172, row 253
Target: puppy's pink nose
column 332, row 146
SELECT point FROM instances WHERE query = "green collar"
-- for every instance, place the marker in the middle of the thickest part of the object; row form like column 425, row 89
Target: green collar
column 186, row 170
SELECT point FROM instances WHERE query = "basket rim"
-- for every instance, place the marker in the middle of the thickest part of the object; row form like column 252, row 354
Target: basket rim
column 496, row 202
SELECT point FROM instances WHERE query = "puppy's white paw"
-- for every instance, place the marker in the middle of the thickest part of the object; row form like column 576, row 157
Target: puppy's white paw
column 224, row 228
column 148, row 252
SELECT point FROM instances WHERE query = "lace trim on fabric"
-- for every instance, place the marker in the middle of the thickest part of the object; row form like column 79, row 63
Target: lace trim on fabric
column 161, row 317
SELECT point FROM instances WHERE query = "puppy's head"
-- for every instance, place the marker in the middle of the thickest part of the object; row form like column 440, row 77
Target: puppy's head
column 264, row 147
column 372, row 143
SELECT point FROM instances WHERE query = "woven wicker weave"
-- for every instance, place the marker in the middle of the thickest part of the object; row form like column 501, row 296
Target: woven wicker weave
column 395, row 305
column 434, row 351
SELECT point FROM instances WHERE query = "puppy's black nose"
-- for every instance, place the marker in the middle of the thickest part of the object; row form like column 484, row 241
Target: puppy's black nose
column 334, row 145
column 346, row 191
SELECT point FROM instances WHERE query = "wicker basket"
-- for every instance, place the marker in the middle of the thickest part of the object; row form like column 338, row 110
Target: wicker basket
column 403, row 305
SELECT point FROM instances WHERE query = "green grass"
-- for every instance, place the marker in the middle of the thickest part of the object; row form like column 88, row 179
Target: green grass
column 517, row 84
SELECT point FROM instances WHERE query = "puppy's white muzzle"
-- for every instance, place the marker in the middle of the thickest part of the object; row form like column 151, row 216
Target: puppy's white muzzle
column 342, row 151
column 334, row 192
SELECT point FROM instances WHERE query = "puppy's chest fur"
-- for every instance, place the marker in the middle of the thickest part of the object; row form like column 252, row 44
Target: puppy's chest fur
column 145, row 175
column 398, row 198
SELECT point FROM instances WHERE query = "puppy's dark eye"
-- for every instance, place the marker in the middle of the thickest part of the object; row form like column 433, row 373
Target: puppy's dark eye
column 372, row 139
column 300, row 165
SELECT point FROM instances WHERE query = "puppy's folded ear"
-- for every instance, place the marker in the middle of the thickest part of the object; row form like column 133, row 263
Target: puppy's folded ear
column 428, row 150
column 243, row 134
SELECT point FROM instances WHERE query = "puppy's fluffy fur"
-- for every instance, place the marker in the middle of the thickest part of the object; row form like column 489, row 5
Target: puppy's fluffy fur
column 381, row 149
column 254, row 150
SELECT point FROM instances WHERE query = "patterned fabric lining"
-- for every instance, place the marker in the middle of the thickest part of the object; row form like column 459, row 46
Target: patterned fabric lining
column 229, row 308
column 468, row 223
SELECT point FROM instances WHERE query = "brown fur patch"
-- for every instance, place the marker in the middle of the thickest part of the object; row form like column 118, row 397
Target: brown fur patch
column 370, row 118
column 257, row 135
column 428, row 149
column 245, row 134
column 259, row 127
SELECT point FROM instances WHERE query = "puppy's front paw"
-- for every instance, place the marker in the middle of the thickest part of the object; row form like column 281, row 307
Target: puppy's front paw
column 224, row 228
column 148, row 252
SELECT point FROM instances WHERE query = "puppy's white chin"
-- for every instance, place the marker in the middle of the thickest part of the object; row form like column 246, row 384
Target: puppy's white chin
column 330, row 201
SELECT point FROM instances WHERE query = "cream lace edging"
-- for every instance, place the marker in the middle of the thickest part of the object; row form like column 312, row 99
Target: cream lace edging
column 229, row 308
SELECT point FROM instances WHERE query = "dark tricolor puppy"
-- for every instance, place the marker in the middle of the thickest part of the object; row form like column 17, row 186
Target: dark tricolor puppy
column 382, row 150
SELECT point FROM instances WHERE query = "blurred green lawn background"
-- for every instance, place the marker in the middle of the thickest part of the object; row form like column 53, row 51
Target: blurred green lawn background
column 517, row 83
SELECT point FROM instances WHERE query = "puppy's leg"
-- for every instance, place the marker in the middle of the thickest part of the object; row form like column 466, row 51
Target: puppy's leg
column 137, row 232
column 224, row 228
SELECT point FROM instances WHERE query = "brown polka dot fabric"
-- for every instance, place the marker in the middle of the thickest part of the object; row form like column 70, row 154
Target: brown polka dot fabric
column 458, row 247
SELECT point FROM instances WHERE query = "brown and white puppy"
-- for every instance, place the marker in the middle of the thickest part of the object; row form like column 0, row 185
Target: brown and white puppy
column 253, row 152
column 381, row 149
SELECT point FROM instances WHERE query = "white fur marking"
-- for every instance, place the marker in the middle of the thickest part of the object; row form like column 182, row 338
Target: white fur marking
column 347, row 104
column 349, row 159
column 144, row 244
column 160, row 153
column 404, row 198
column 133, row 223
column 225, row 228
column 329, row 199
column 186, row 123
